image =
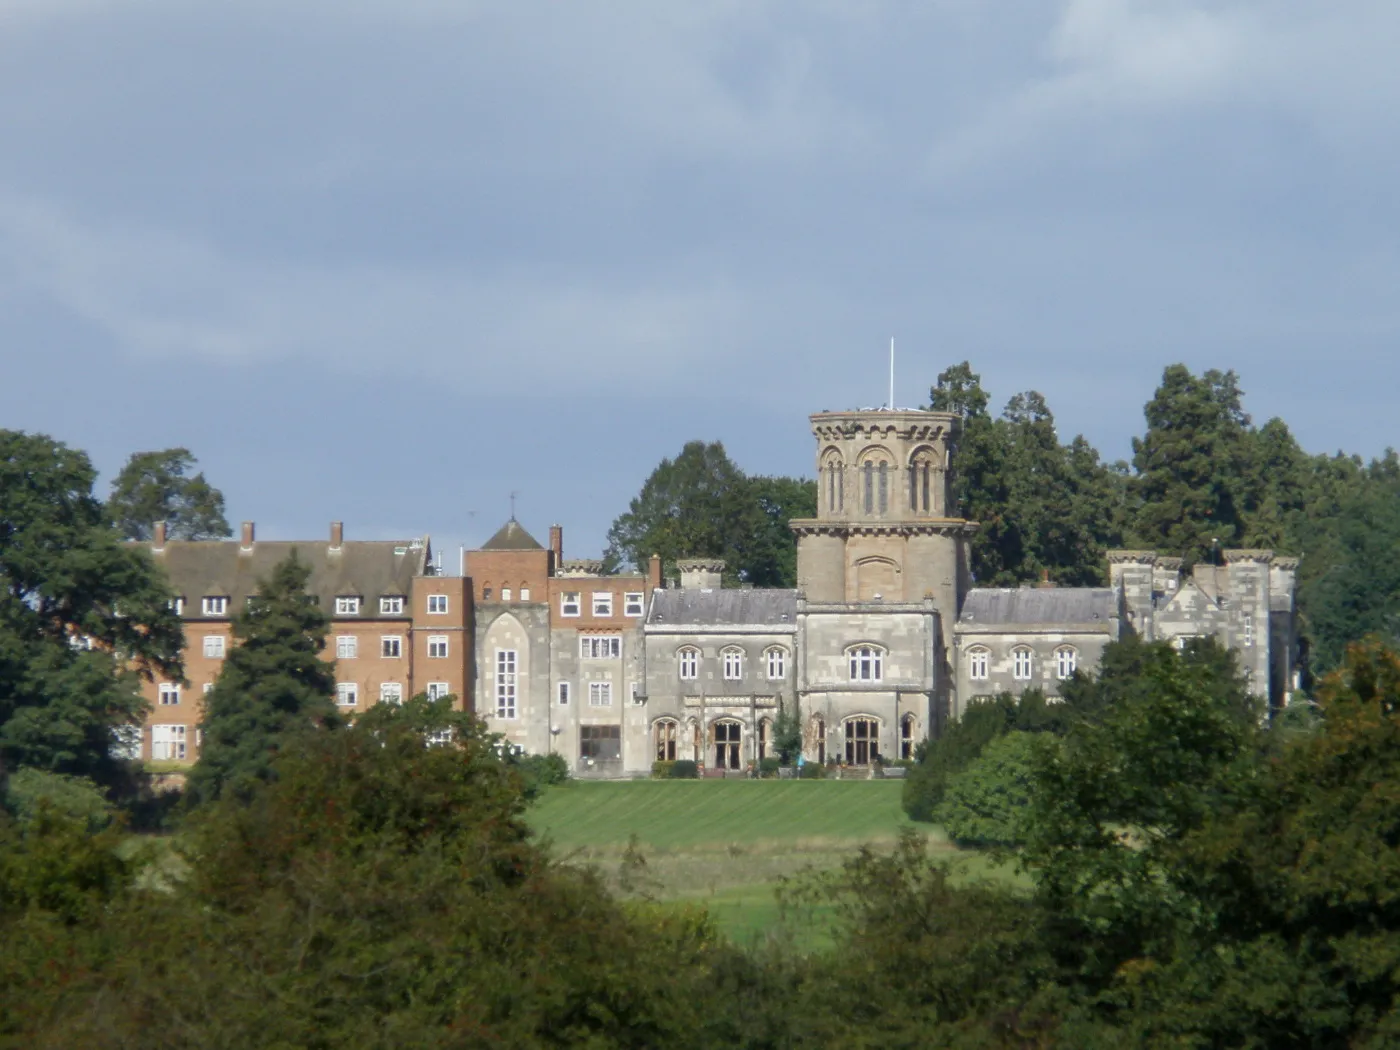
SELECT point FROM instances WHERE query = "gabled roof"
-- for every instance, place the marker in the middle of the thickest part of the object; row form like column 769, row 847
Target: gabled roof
column 370, row 568
column 511, row 537
column 693, row 607
column 1038, row 605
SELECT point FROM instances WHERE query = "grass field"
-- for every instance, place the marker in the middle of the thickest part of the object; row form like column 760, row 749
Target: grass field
column 729, row 843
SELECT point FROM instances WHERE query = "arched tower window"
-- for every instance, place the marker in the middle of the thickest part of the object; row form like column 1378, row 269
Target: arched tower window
column 875, row 484
column 921, row 498
column 834, row 476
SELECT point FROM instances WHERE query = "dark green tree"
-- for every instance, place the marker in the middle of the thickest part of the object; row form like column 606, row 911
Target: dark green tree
column 701, row 505
column 988, row 803
column 157, row 486
column 82, row 616
column 1191, row 466
column 274, row 687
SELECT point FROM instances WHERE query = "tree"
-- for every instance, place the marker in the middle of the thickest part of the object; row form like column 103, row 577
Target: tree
column 1191, row 464
column 274, row 687
column 154, row 486
column 700, row 505
column 82, row 616
column 987, row 804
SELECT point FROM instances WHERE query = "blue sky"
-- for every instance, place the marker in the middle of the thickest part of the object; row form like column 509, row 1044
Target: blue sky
column 390, row 260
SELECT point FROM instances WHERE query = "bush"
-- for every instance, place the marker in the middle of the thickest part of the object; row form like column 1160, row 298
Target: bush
column 661, row 770
column 684, row 769
column 812, row 771
column 982, row 722
column 541, row 771
column 76, row 798
column 768, row 767
column 986, row 804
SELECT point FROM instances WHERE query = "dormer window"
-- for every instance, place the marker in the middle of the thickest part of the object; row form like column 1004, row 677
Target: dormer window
column 347, row 605
column 391, row 605
column 177, row 606
column 215, row 605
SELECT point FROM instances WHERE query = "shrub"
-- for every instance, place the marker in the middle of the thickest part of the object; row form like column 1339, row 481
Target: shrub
column 541, row 771
column 684, row 769
column 986, row 804
column 812, row 771
column 76, row 798
column 661, row 770
column 768, row 767
column 982, row 722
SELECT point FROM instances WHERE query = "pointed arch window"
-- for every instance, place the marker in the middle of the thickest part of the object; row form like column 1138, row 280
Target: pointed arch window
column 666, row 734
column 689, row 660
column 978, row 661
column 1066, row 659
column 867, row 663
column 1021, row 664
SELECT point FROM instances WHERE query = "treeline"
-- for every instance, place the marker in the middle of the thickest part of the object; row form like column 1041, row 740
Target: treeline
column 1203, row 477
column 1193, row 879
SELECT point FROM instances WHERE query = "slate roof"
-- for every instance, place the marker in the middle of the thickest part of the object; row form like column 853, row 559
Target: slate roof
column 693, row 607
column 368, row 568
column 1038, row 605
column 512, row 537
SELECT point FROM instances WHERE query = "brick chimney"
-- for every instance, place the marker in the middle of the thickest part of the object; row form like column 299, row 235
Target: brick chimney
column 337, row 535
column 158, row 536
column 556, row 544
column 247, row 541
column 654, row 572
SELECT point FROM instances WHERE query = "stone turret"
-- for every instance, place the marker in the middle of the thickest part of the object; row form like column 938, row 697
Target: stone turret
column 700, row 574
column 1248, row 613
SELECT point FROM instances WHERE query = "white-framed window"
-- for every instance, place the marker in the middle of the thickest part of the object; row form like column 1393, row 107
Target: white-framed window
column 391, row 605
column 167, row 743
column 978, row 664
column 867, row 663
column 633, row 603
column 437, row 690
column 1181, row 641
column 600, row 694
column 347, row 694
column 177, row 606
column 599, row 646
column 524, row 594
column 1066, row 660
column 1248, row 629
column 602, row 603
column 215, row 605
column 1021, row 664
column 689, row 663
column 391, row 645
column 439, row 737
column 214, row 646
column 437, row 604
column 347, row 647
column 564, row 689
column 347, row 605
column 391, row 693
column 571, row 603
column 169, row 693
column 733, row 664
column 777, row 663
column 506, row 683
column 505, row 594
column 437, row 646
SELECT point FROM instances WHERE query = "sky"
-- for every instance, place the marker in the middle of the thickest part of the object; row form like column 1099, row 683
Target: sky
column 391, row 261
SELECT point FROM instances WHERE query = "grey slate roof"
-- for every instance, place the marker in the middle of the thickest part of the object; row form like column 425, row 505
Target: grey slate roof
column 1038, row 605
column 512, row 537
column 368, row 568
column 723, row 606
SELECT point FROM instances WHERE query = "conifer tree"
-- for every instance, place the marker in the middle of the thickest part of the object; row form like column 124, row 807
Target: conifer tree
column 274, row 686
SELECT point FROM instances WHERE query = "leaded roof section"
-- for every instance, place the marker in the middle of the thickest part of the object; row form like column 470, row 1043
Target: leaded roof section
column 512, row 537
column 678, row 607
column 369, row 569
column 1041, row 606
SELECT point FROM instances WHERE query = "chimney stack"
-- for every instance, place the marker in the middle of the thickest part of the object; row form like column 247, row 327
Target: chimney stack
column 158, row 537
column 247, row 543
column 654, row 572
column 556, row 544
column 337, row 535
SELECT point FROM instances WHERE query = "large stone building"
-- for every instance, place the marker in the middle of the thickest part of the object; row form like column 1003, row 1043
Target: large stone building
column 883, row 641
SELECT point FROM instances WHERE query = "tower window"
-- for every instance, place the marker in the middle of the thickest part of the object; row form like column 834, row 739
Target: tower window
column 869, row 487
column 867, row 663
column 884, row 488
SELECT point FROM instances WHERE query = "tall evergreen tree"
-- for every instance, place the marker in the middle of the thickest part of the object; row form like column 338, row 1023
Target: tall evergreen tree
column 274, row 686
column 1191, row 464
column 156, row 486
column 81, row 615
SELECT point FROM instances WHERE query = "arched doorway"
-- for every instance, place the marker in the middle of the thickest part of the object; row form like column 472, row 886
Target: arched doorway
column 728, row 737
column 666, row 733
column 862, row 741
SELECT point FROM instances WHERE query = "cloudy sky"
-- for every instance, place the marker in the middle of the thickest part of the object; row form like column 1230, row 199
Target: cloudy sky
column 391, row 260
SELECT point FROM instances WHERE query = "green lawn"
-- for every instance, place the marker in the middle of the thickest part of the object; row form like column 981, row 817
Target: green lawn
column 728, row 843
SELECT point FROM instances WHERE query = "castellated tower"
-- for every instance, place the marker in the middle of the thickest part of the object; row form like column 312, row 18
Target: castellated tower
column 885, row 529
